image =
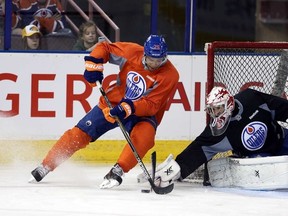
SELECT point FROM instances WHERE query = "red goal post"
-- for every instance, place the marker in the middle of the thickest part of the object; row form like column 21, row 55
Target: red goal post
column 239, row 65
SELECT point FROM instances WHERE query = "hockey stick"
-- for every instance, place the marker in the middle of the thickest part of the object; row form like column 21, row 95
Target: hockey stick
column 157, row 190
column 153, row 162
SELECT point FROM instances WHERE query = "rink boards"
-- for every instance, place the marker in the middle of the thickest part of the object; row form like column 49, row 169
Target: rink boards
column 101, row 151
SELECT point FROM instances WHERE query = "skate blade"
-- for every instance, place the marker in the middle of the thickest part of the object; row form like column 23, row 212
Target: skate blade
column 109, row 183
column 32, row 180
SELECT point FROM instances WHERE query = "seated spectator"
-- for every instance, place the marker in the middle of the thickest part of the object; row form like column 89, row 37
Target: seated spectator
column 2, row 14
column 15, row 17
column 45, row 14
column 87, row 38
column 31, row 38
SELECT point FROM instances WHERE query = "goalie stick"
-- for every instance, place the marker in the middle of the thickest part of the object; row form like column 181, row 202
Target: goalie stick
column 153, row 162
column 153, row 170
column 157, row 190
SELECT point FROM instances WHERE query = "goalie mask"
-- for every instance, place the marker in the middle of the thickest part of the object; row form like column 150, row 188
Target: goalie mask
column 219, row 105
column 155, row 52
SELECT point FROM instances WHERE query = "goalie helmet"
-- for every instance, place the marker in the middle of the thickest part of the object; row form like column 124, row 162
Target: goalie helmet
column 219, row 105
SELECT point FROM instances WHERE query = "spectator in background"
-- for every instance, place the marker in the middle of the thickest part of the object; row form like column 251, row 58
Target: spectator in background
column 31, row 38
column 45, row 14
column 87, row 37
column 15, row 17
column 2, row 14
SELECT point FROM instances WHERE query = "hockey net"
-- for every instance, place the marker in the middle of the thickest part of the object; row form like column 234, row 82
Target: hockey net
column 239, row 65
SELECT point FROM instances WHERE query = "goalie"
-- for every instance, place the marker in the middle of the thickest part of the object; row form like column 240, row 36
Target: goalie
column 245, row 124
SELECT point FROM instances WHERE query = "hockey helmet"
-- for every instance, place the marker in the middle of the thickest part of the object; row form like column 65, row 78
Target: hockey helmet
column 219, row 105
column 155, row 47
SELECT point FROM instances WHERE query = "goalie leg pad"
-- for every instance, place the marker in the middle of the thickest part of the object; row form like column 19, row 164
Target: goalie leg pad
column 263, row 173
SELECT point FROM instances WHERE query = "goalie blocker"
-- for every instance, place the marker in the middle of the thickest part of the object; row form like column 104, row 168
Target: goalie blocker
column 261, row 173
column 165, row 173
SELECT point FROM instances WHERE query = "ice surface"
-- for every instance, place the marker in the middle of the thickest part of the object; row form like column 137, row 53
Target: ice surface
column 73, row 189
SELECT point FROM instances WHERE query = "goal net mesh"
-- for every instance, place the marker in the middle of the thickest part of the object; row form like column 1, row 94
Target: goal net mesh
column 239, row 65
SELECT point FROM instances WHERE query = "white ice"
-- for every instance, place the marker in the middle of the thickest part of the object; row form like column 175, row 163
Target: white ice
column 73, row 189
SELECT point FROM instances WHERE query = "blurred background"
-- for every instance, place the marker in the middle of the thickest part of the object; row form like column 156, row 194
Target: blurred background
column 186, row 24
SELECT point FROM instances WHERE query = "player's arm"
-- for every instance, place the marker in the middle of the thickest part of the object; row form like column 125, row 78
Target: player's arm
column 94, row 63
column 201, row 150
column 116, row 53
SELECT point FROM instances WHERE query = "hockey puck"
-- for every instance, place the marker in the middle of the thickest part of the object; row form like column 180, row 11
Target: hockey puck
column 145, row 191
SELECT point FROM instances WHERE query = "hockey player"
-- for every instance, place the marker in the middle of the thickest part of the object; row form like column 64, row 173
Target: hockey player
column 139, row 97
column 246, row 124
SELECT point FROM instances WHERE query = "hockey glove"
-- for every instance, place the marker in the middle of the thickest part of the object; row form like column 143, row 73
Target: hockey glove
column 165, row 174
column 93, row 70
column 124, row 109
column 108, row 117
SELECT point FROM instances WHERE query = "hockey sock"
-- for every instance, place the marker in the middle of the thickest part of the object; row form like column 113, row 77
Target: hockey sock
column 70, row 142
column 142, row 136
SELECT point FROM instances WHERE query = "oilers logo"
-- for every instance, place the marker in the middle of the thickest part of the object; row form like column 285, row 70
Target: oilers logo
column 135, row 86
column 254, row 135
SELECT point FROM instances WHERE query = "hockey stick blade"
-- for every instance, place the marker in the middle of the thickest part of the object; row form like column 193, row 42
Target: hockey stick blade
column 157, row 190
column 161, row 190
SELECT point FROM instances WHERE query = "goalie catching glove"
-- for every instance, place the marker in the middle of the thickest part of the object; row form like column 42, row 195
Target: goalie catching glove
column 165, row 173
column 124, row 109
column 93, row 70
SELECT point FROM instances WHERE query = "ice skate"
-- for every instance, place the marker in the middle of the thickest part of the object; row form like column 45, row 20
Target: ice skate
column 113, row 178
column 38, row 174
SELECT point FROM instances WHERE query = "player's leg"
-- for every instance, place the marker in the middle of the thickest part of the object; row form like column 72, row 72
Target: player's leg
column 70, row 142
column 260, row 173
column 89, row 128
column 143, row 139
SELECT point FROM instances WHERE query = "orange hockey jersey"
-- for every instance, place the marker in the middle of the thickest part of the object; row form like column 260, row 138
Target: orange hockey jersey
column 149, row 90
